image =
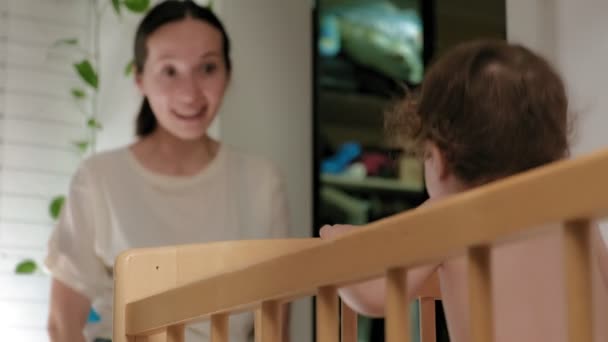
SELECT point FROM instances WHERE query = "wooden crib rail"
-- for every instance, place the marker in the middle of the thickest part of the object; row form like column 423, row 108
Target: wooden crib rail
column 573, row 192
column 140, row 273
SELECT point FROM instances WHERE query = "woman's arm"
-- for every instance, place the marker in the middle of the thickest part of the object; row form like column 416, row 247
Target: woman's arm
column 68, row 313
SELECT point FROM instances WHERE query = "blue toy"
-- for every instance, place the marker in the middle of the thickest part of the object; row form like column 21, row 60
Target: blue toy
column 347, row 153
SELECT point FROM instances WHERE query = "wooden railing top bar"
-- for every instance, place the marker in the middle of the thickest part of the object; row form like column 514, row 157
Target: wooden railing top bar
column 509, row 209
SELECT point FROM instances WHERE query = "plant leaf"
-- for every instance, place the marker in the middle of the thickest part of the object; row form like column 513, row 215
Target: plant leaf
column 82, row 145
column 137, row 6
column 116, row 5
column 78, row 93
column 56, row 205
column 94, row 124
column 87, row 73
column 66, row 41
column 129, row 68
column 26, row 267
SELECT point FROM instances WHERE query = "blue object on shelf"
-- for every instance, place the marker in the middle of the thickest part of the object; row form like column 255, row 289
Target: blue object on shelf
column 329, row 36
column 93, row 317
column 347, row 153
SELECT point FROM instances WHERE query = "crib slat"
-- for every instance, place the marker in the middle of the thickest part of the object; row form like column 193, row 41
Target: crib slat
column 480, row 294
column 268, row 322
column 397, row 307
column 257, row 325
column 219, row 328
column 328, row 315
column 348, row 324
column 578, row 280
column 176, row 333
column 171, row 334
column 428, row 324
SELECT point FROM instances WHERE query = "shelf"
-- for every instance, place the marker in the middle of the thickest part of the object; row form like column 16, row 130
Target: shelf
column 352, row 108
column 347, row 116
column 373, row 184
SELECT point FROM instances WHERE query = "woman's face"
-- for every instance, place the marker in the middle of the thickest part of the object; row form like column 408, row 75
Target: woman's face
column 184, row 76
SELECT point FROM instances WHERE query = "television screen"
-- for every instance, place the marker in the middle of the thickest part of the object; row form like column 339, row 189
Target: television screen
column 370, row 46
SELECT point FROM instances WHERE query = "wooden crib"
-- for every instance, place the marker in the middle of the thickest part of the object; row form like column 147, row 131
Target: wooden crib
column 158, row 291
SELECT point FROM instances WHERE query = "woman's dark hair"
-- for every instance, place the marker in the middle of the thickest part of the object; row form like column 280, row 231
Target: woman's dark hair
column 493, row 108
column 164, row 13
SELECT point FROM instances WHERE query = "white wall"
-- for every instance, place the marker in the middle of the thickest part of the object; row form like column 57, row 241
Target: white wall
column 119, row 99
column 574, row 36
column 268, row 109
column 583, row 52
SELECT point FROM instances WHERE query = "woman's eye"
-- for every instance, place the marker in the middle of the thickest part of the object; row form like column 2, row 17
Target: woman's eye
column 209, row 68
column 169, row 71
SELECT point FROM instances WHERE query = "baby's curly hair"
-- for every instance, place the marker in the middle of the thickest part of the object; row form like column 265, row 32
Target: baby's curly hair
column 493, row 108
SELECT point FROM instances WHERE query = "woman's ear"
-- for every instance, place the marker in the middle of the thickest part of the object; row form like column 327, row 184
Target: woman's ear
column 138, row 79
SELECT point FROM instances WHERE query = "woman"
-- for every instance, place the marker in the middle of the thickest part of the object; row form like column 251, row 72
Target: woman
column 175, row 185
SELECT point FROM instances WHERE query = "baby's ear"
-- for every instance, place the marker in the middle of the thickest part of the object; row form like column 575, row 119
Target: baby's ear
column 443, row 165
column 436, row 158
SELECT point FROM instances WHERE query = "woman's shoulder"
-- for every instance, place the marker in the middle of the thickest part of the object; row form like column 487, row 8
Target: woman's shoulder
column 249, row 164
column 107, row 161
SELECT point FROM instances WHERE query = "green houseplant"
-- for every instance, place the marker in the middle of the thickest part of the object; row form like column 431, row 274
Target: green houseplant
column 86, row 95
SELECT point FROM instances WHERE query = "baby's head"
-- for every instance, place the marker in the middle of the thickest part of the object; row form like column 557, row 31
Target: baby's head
column 486, row 110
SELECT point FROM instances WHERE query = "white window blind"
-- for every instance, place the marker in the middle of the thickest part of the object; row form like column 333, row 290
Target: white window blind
column 38, row 122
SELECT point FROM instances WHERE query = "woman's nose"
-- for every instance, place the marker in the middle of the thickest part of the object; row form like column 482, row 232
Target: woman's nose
column 188, row 90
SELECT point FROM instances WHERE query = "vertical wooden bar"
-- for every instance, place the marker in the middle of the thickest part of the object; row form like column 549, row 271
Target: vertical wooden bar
column 268, row 322
column 480, row 294
column 176, row 333
column 219, row 328
column 348, row 324
column 328, row 315
column 578, row 280
column 397, row 307
column 257, row 325
column 284, row 317
column 428, row 326
column 171, row 334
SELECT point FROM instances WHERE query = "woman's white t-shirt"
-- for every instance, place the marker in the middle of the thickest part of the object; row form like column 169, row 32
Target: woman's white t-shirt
column 114, row 204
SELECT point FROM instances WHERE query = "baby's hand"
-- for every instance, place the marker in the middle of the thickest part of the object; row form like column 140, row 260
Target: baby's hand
column 329, row 232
